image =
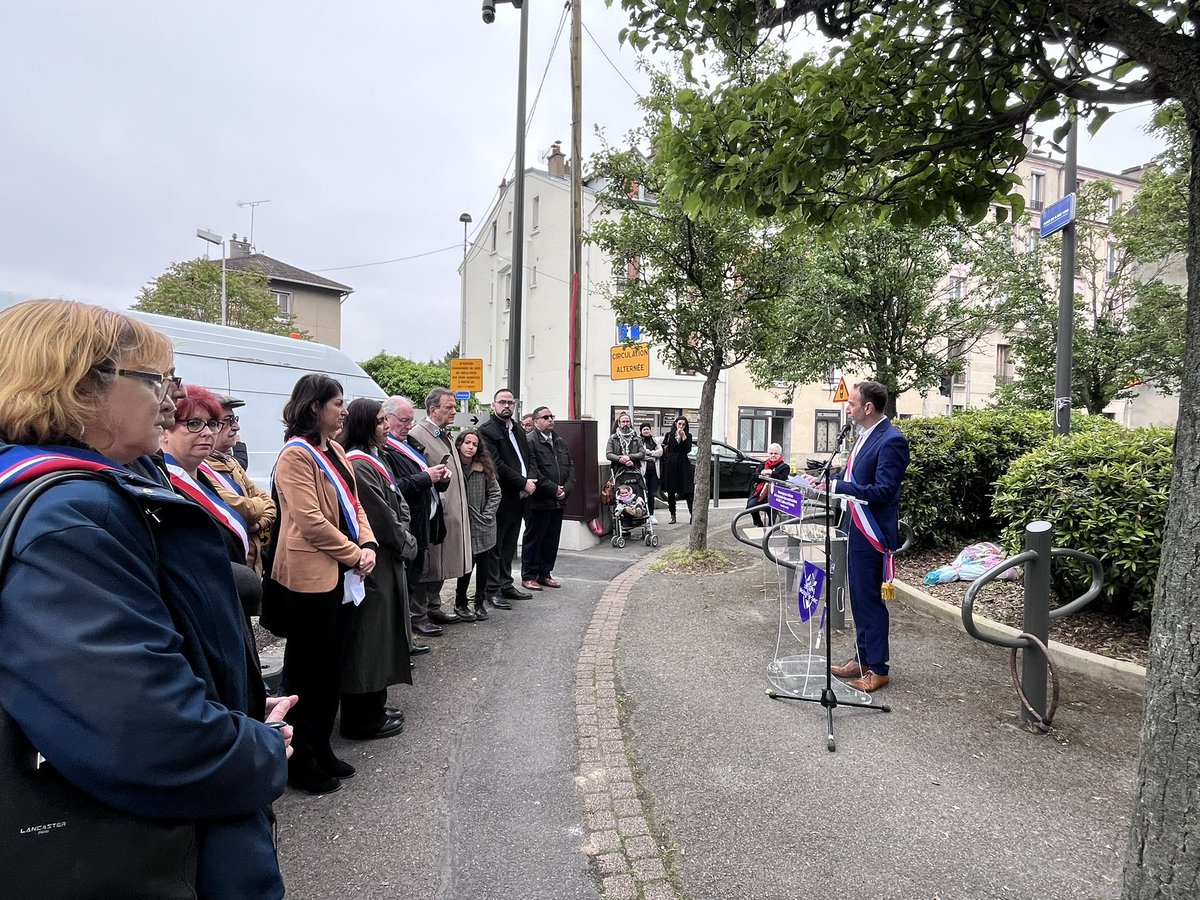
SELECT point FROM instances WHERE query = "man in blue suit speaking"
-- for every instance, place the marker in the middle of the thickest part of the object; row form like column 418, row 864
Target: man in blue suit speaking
column 873, row 473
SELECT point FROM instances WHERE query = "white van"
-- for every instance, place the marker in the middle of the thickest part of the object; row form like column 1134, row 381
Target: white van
column 258, row 368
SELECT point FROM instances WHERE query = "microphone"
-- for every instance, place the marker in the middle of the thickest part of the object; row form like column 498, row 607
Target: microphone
column 844, row 433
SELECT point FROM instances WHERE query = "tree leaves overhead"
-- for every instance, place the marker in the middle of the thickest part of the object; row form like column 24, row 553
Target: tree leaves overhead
column 192, row 290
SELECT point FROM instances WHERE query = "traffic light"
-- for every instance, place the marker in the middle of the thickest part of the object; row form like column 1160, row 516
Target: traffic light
column 946, row 382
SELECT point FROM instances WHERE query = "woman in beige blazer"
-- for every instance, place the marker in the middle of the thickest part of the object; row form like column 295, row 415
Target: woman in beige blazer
column 325, row 547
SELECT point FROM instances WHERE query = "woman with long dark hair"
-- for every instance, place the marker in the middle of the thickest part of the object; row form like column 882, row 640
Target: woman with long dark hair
column 483, row 499
column 678, row 476
column 326, row 547
column 378, row 654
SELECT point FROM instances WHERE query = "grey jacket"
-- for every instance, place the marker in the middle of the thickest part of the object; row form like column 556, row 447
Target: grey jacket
column 483, row 499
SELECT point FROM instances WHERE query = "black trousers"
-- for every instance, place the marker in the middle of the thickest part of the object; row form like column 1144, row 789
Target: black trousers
column 485, row 580
column 540, row 549
column 651, row 489
column 313, row 661
column 505, row 551
column 363, row 713
column 671, row 502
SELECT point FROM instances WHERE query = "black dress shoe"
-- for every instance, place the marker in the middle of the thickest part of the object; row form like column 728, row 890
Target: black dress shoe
column 480, row 612
column 337, row 768
column 309, row 778
column 464, row 612
column 391, row 727
column 427, row 628
column 499, row 602
column 418, row 649
column 394, row 711
column 443, row 618
column 515, row 593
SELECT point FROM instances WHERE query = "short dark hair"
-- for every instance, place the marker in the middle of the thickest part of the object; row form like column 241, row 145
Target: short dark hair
column 299, row 417
column 361, row 418
column 538, row 409
column 874, row 393
column 434, row 397
column 500, row 391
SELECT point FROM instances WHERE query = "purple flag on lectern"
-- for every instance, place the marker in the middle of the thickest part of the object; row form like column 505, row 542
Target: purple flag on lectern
column 787, row 501
column 812, row 584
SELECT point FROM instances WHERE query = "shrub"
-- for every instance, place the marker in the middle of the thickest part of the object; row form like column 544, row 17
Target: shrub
column 956, row 462
column 1106, row 494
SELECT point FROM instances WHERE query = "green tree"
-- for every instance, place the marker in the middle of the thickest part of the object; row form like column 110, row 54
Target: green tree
column 192, row 290
column 1128, row 324
column 879, row 298
column 920, row 109
column 704, row 285
column 397, row 375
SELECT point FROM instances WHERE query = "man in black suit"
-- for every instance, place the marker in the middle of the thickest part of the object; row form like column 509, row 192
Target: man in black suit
column 510, row 451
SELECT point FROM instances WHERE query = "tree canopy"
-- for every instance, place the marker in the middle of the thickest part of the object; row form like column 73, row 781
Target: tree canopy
column 400, row 376
column 192, row 290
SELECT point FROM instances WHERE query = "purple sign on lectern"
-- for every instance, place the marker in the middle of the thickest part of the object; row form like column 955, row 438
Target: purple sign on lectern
column 812, row 583
column 787, row 501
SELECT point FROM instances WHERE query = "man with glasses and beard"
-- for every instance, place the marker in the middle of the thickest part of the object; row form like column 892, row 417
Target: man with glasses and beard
column 509, row 447
column 554, row 473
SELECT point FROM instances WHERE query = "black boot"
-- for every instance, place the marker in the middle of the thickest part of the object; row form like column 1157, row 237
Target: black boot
column 463, row 611
column 480, row 611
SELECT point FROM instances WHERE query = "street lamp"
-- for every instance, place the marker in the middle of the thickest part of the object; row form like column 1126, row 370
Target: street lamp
column 466, row 220
column 518, row 250
column 217, row 239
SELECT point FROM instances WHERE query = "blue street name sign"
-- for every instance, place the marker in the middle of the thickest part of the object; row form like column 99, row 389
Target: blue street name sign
column 787, row 501
column 462, row 395
column 629, row 333
column 1058, row 215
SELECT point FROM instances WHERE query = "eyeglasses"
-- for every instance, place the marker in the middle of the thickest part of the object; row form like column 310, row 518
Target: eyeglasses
column 504, row 402
column 547, row 416
column 230, row 421
column 195, row 426
column 160, row 384
column 401, row 419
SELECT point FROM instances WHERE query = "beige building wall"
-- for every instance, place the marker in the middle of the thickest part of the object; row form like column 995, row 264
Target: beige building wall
column 319, row 313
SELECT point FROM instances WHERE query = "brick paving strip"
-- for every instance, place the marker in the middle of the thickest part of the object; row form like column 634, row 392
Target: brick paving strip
column 625, row 854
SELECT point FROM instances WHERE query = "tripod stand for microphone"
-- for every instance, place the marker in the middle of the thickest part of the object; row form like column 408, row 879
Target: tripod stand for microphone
column 828, row 698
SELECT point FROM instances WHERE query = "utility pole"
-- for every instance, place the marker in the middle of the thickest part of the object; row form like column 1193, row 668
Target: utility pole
column 576, row 372
column 518, row 248
column 1066, row 296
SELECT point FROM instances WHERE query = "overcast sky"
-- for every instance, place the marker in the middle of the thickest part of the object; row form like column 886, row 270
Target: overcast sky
column 369, row 126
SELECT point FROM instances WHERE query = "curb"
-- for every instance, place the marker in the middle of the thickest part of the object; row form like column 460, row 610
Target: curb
column 1114, row 672
column 625, row 855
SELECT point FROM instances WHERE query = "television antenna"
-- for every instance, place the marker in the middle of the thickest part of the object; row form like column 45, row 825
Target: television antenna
column 252, row 204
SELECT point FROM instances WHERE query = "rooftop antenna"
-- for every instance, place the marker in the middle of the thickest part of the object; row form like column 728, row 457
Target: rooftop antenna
column 252, row 204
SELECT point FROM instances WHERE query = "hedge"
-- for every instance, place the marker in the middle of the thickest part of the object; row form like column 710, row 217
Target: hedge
column 956, row 462
column 1106, row 494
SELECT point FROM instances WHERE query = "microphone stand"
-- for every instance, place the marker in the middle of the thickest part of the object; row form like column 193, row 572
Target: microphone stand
column 828, row 698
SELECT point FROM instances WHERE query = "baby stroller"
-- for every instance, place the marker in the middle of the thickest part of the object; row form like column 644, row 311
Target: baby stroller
column 631, row 521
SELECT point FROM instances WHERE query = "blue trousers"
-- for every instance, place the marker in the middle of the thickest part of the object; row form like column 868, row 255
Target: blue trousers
column 870, row 612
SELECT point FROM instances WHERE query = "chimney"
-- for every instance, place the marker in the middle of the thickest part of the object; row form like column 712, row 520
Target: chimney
column 238, row 247
column 556, row 162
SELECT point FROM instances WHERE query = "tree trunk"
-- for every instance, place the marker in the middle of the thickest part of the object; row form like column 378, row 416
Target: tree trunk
column 698, row 539
column 1163, row 856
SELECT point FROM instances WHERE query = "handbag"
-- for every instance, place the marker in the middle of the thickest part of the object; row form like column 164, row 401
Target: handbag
column 609, row 492
column 56, row 842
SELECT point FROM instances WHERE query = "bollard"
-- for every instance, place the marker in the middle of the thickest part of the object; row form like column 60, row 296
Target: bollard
column 1039, row 539
column 716, row 480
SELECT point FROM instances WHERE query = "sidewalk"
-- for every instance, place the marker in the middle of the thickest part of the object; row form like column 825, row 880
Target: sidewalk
column 944, row 797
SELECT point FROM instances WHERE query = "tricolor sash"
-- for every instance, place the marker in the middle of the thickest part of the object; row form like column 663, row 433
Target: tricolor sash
column 864, row 520
column 415, row 455
column 225, row 478
column 27, row 463
column 375, row 462
column 224, row 514
column 345, row 496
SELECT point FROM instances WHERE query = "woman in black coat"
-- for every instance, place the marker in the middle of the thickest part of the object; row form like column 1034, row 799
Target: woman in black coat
column 678, row 476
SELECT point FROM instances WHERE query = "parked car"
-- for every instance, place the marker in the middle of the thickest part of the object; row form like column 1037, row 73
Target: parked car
column 738, row 471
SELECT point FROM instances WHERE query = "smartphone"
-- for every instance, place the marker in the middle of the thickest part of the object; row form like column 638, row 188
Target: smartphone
column 445, row 459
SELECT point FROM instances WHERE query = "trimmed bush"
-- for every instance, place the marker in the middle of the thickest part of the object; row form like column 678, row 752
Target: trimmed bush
column 956, row 462
column 1106, row 494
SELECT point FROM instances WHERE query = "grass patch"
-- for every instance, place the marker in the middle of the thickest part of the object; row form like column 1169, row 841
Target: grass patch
column 683, row 561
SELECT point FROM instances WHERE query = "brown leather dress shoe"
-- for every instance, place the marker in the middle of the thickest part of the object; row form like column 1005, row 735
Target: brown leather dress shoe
column 547, row 581
column 869, row 682
column 531, row 585
column 849, row 669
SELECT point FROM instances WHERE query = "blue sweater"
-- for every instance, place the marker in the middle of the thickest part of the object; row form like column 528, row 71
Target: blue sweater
column 123, row 658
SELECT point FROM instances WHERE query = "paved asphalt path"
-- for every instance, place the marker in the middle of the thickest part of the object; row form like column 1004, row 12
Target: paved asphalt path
column 476, row 800
column 945, row 797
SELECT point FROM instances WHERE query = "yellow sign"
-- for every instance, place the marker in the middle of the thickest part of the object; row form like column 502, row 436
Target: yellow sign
column 841, row 395
column 466, row 375
column 630, row 361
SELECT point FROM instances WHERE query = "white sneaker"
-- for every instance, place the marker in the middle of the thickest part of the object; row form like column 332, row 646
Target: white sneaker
column 653, row 520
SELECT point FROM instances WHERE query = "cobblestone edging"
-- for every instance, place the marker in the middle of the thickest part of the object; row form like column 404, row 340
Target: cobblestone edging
column 627, row 858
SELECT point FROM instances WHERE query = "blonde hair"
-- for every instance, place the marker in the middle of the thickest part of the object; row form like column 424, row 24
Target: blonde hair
column 49, row 386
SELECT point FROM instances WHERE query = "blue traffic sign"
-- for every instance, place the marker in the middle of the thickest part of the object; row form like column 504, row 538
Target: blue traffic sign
column 629, row 333
column 462, row 395
column 1058, row 215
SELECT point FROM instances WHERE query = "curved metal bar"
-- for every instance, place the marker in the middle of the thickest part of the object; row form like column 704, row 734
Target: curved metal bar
column 737, row 534
column 907, row 536
column 968, row 604
column 1091, row 593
